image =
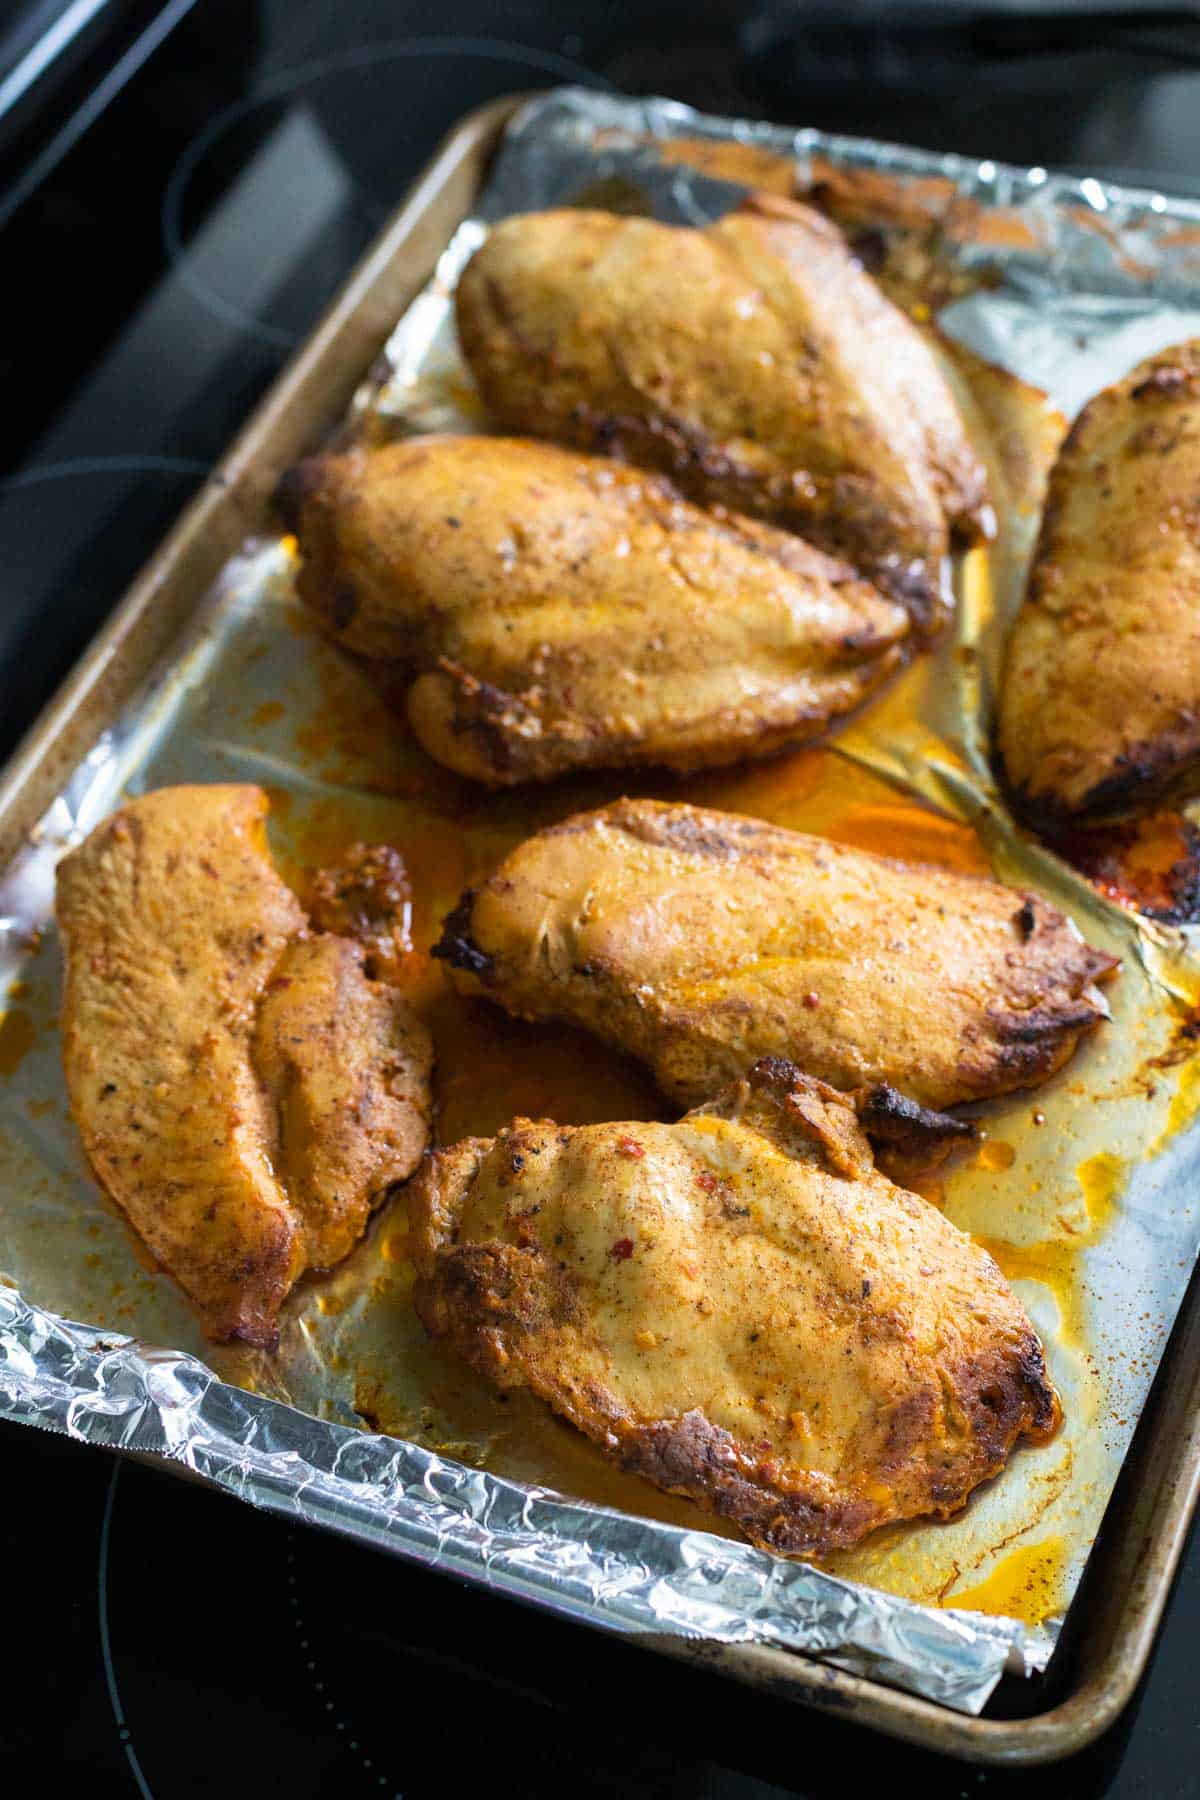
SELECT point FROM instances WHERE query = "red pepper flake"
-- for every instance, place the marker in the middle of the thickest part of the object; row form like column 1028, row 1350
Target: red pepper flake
column 708, row 1182
column 630, row 1147
column 812, row 1001
column 622, row 1250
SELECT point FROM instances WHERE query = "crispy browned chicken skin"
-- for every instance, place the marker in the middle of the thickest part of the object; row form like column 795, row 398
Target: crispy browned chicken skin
column 243, row 1091
column 1100, row 698
column 739, row 1307
column 559, row 612
column 699, row 941
column 754, row 361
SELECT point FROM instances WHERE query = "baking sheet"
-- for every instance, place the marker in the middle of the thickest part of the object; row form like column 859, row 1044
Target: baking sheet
column 1082, row 1189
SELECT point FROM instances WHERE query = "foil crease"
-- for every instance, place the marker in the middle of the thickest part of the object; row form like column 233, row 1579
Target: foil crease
column 628, row 1575
column 1097, row 278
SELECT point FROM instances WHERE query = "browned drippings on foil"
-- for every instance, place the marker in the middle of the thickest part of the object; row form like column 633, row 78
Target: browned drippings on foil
column 1150, row 865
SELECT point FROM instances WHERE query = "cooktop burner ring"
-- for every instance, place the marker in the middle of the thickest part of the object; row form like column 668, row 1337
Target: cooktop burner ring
column 124, row 1735
column 119, row 463
column 365, row 58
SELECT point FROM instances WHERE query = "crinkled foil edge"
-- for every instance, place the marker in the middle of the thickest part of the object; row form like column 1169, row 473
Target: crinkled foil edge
column 631, row 1576
column 579, row 114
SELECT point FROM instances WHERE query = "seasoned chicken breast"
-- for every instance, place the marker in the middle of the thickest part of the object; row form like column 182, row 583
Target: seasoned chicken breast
column 700, row 941
column 1099, row 707
column 738, row 1307
column 558, row 612
column 244, row 1092
column 754, row 361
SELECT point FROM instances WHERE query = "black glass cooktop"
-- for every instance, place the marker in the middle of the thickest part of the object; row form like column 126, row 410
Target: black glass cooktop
column 164, row 1640
column 183, row 187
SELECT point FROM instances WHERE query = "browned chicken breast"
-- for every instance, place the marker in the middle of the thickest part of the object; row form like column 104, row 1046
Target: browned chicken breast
column 1100, row 699
column 244, row 1092
column 700, row 941
column 559, row 612
column 754, row 361
column 739, row 1307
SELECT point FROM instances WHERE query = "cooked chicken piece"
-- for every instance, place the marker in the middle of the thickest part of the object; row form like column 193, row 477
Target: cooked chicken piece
column 558, row 612
column 754, row 361
column 739, row 1307
column 700, row 941
column 244, row 1093
column 368, row 898
column 1100, row 698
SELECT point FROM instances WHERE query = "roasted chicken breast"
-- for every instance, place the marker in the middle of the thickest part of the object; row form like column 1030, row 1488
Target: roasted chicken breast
column 559, row 612
column 244, row 1091
column 700, row 941
column 1099, row 709
column 754, row 361
column 738, row 1307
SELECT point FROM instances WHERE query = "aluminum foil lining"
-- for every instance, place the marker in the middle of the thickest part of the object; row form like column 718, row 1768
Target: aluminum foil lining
column 1097, row 273
column 627, row 1575
column 1096, row 278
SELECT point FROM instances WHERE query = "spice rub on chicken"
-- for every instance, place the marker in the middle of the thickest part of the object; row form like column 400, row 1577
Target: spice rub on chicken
column 755, row 361
column 244, row 1091
column 1099, row 709
column 560, row 612
column 738, row 1307
column 699, row 941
